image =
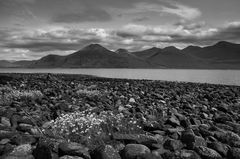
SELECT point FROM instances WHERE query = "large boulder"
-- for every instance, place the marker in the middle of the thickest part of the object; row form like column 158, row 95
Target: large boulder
column 132, row 151
column 105, row 152
column 221, row 148
column 207, row 153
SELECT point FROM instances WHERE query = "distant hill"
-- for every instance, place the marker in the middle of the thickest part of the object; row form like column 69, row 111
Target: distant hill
column 6, row 64
column 169, row 57
column 91, row 56
column 146, row 53
column 222, row 55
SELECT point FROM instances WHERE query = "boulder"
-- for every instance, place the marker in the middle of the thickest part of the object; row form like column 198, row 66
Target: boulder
column 234, row 153
column 105, row 152
column 173, row 145
column 23, row 139
column 73, row 149
column 221, row 148
column 173, row 121
column 133, row 151
column 70, row 157
column 207, row 153
column 189, row 154
column 20, row 152
column 43, row 150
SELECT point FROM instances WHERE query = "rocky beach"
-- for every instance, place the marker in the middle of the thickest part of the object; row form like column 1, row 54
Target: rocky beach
column 51, row 116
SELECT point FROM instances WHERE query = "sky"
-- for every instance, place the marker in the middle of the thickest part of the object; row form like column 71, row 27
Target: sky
column 31, row 29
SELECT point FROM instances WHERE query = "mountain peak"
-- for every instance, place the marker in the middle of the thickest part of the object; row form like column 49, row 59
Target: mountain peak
column 154, row 49
column 223, row 43
column 121, row 51
column 94, row 47
column 171, row 48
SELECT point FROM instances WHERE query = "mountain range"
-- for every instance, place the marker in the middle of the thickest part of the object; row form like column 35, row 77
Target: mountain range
column 222, row 55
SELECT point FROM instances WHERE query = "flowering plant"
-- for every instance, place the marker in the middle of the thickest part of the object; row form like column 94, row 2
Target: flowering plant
column 93, row 125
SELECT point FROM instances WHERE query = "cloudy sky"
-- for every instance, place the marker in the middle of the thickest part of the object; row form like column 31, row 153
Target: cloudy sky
column 30, row 29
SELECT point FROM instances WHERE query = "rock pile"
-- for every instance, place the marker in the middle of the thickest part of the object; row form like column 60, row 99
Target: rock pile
column 179, row 120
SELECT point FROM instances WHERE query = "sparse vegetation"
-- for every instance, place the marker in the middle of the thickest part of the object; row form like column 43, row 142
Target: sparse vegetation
column 93, row 126
column 8, row 94
column 89, row 91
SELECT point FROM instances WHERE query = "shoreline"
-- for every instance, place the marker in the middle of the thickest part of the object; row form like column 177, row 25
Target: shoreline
column 111, row 78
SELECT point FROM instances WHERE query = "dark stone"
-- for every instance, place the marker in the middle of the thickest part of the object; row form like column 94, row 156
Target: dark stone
column 189, row 154
column 105, row 152
column 191, row 140
column 139, row 138
column 73, row 149
column 223, row 107
column 234, row 153
column 23, row 139
column 43, row 150
column 173, row 121
column 173, row 145
column 5, row 149
column 15, row 120
column 6, row 134
column 207, row 153
column 221, row 148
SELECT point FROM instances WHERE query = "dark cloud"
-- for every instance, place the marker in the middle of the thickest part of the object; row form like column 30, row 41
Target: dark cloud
column 140, row 19
column 124, row 34
column 91, row 15
column 231, row 32
column 52, row 46
column 190, row 26
column 189, row 34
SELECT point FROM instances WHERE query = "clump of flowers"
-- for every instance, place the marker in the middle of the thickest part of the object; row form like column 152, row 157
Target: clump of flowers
column 7, row 94
column 93, row 125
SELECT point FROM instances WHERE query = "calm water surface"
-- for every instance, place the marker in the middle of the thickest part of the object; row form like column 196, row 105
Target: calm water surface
column 230, row 77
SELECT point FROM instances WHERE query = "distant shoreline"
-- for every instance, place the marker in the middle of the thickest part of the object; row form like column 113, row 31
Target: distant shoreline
column 13, row 74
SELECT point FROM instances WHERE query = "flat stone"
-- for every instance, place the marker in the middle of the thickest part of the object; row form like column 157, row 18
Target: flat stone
column 73, row 149
column 70, row 157
column 189, row 154
column 4, row 141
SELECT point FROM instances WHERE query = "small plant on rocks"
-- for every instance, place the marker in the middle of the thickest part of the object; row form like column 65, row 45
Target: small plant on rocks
column 8, row 94
column 93, row 126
